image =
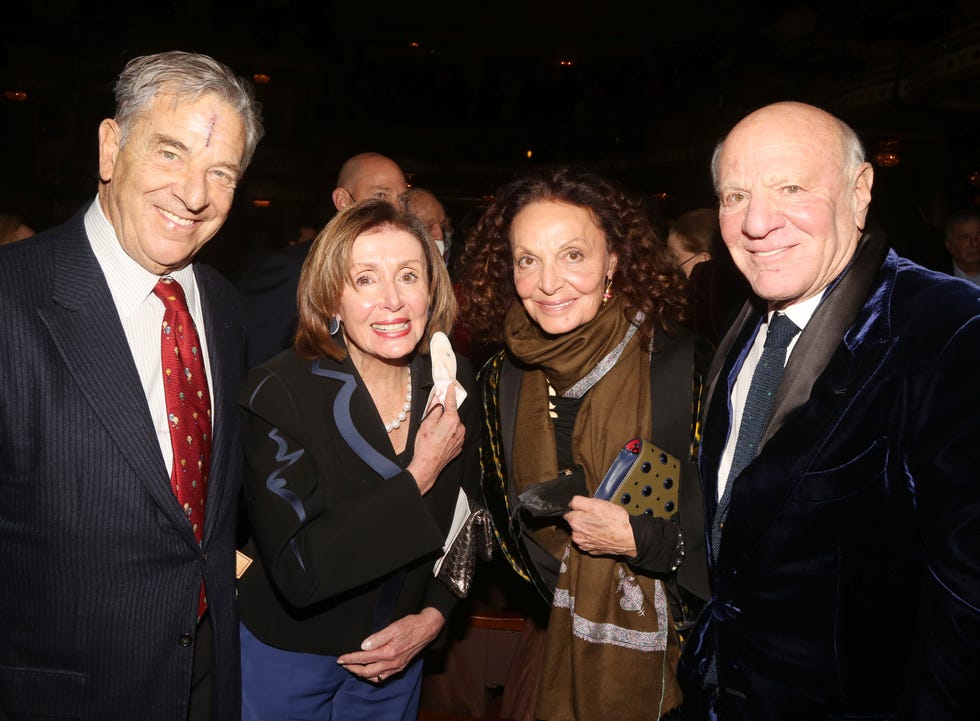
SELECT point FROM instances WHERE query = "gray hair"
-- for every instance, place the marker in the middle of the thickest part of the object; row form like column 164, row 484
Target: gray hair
column 188, row 76
column 851, row 146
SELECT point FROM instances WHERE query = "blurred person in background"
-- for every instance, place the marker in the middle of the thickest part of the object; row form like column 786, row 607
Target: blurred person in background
column 13, row 228
column 425, row 206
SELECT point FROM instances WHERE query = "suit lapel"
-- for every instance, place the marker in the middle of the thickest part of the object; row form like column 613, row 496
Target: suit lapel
column 823, row 334
column 85, row 327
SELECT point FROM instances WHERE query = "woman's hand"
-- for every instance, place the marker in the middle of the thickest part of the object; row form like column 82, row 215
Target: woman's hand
column 390, row 650
column 600, row 528
column 439, row 440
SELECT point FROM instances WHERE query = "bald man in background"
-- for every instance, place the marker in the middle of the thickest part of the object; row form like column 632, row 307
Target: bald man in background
column 370, row 175
column 425, row 206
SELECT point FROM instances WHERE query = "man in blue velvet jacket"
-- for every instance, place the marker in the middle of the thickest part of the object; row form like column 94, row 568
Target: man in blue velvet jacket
column 846, row 571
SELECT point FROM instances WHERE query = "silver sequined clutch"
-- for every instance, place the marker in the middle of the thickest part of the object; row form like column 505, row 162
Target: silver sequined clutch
column 473, row 539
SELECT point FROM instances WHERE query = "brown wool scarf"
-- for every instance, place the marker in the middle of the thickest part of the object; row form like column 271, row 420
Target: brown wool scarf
column 611, row 650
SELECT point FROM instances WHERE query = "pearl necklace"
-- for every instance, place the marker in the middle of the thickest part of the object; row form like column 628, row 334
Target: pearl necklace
column 406, row 407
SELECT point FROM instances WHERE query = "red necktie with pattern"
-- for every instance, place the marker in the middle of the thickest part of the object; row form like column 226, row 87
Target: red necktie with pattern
column 188, row 407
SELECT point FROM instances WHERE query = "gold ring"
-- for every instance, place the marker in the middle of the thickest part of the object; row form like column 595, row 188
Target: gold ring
column 379, row 678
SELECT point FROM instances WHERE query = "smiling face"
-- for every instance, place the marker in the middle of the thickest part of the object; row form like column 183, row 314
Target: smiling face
column 561, row 264
column 169, row 188
column 791, row 213
column 384, row 305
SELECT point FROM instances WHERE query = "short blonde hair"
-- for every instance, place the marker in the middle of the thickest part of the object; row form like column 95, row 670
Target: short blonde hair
column 327, row 271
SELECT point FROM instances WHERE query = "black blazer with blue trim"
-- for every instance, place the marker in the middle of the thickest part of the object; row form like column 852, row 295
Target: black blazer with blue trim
column 332, row 513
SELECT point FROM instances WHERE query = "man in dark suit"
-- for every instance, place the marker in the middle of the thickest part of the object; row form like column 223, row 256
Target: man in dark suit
column 269, row 287
column 845, row 519
column 119, row 468
column 963, row 244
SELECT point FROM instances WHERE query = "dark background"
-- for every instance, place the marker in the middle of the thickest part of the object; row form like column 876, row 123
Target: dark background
column 459, row 93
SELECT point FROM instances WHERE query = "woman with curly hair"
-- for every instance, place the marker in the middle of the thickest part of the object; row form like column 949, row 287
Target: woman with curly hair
column 567, row 272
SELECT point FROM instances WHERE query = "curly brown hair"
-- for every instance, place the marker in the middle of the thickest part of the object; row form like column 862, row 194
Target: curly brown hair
column 646, row 276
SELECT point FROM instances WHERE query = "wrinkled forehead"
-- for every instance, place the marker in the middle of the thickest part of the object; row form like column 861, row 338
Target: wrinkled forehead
column 780, row 143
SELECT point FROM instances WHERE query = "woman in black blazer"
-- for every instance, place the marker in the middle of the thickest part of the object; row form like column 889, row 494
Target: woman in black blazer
column 355, row 457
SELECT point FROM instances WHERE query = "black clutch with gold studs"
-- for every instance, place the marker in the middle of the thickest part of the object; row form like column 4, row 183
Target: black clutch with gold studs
column 643, row 479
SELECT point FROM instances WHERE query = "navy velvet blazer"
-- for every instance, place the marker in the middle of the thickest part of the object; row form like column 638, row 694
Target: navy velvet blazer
column 99, row 568
column 333, row 514
column 847, row 582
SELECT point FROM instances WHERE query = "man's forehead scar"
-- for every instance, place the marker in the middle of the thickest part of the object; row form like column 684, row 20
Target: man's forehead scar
column 214, row 119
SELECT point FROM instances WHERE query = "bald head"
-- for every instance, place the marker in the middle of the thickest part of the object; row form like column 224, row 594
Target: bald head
column 427, row 208
column 793, row 193
column 848, row 143
column 370, row 175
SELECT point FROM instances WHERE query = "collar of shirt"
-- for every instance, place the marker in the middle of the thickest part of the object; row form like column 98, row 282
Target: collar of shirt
column 129, row 282
column 800, row 313
column 960, row 273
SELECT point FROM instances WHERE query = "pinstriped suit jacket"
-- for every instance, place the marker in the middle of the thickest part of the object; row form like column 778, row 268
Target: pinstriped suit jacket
column 99, row 568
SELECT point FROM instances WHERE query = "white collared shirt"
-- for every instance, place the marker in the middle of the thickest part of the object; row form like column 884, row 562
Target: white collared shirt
column 800, row 313
column 141, row 315
column 960, row 273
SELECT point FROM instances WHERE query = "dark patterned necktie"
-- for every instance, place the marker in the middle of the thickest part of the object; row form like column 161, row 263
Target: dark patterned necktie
column 755, row 413
column 762, row 391
column 755, row 417
column 188, row 407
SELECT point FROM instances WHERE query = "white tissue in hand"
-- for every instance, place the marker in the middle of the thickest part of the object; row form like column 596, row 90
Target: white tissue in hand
column 443, row 371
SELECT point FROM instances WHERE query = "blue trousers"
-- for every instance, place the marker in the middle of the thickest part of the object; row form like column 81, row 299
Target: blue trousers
column 282, row 685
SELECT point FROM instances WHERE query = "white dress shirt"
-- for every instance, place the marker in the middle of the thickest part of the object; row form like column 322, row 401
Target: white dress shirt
column 800, row 314
column 141, row 315
column 960, row 273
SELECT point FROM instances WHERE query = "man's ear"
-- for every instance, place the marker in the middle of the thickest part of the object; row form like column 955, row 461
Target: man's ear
column 341, row 198
column 109, row 135
column 863, row 180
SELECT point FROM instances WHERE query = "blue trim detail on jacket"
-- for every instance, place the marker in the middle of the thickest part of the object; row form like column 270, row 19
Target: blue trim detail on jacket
column 277, row 484
column 345, row 424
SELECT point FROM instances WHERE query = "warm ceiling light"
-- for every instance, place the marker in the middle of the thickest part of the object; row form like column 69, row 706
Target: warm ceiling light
column 529, row 154
column 887, row 155
column 262, row 78
column 15, row 96
column 261, row 202
column 413, row 44
column 566, row 63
